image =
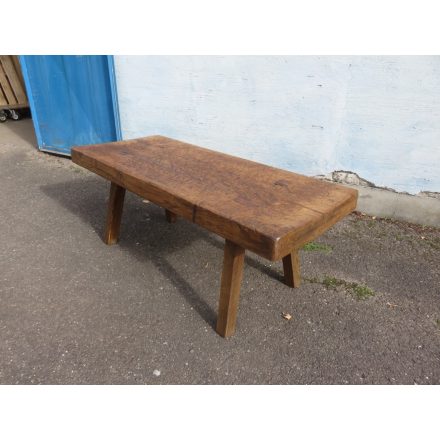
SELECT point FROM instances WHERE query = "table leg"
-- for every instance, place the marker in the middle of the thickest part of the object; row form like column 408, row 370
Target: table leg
column 170, row 216
column 114, row 213
column 232, row 274
column 292, row 275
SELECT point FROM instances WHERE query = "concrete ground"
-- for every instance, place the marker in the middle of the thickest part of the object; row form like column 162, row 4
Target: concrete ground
column 75, row 311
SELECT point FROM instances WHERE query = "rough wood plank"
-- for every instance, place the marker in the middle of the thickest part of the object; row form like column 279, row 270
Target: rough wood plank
column 114, row 213
column 14, row 107
column 3, row 101
column 292, row 272
column 17, row 67
column 261, row 208
column 170, row 216
column 7, row 90
column 14, row 79
column 232, row 275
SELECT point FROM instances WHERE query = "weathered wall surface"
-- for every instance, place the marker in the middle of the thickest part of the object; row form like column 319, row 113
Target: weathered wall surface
column 376, row 116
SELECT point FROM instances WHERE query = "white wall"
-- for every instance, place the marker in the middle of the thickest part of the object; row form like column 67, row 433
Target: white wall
column 377, row 116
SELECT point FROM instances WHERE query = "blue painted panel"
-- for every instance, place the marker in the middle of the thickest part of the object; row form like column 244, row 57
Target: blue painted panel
column 72, row 100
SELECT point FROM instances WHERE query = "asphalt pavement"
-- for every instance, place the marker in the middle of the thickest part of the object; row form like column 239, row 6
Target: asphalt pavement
column 75, row 311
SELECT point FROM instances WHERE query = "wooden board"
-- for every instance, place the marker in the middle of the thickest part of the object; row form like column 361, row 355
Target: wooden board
column 12, row 91
column 264, row 209
column 6, row 87
column 3, row 100
column 17, row 66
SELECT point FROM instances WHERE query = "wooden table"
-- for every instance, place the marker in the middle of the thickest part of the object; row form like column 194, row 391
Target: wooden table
column 256, row 207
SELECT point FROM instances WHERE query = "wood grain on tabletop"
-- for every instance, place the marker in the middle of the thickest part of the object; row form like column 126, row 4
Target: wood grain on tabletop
column 261, row 208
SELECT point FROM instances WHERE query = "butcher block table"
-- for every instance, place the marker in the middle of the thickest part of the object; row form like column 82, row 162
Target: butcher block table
column 254, row 207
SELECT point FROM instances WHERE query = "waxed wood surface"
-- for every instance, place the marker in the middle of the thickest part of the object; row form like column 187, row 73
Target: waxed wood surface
column 170, row 216
column 291, row 267
column 261, row 208
column 114, row 213
column 232, row 274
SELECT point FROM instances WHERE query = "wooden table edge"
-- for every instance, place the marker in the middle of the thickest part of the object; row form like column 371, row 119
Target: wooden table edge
column 273, row 248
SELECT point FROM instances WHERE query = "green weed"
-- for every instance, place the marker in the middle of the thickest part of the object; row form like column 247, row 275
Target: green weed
column 359, row 291
column 312, row 246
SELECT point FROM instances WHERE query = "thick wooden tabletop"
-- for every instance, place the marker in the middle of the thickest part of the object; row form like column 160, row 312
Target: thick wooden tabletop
column 264, row 209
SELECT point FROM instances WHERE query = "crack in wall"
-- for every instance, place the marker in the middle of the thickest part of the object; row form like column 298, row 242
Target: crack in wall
column 352, row 178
